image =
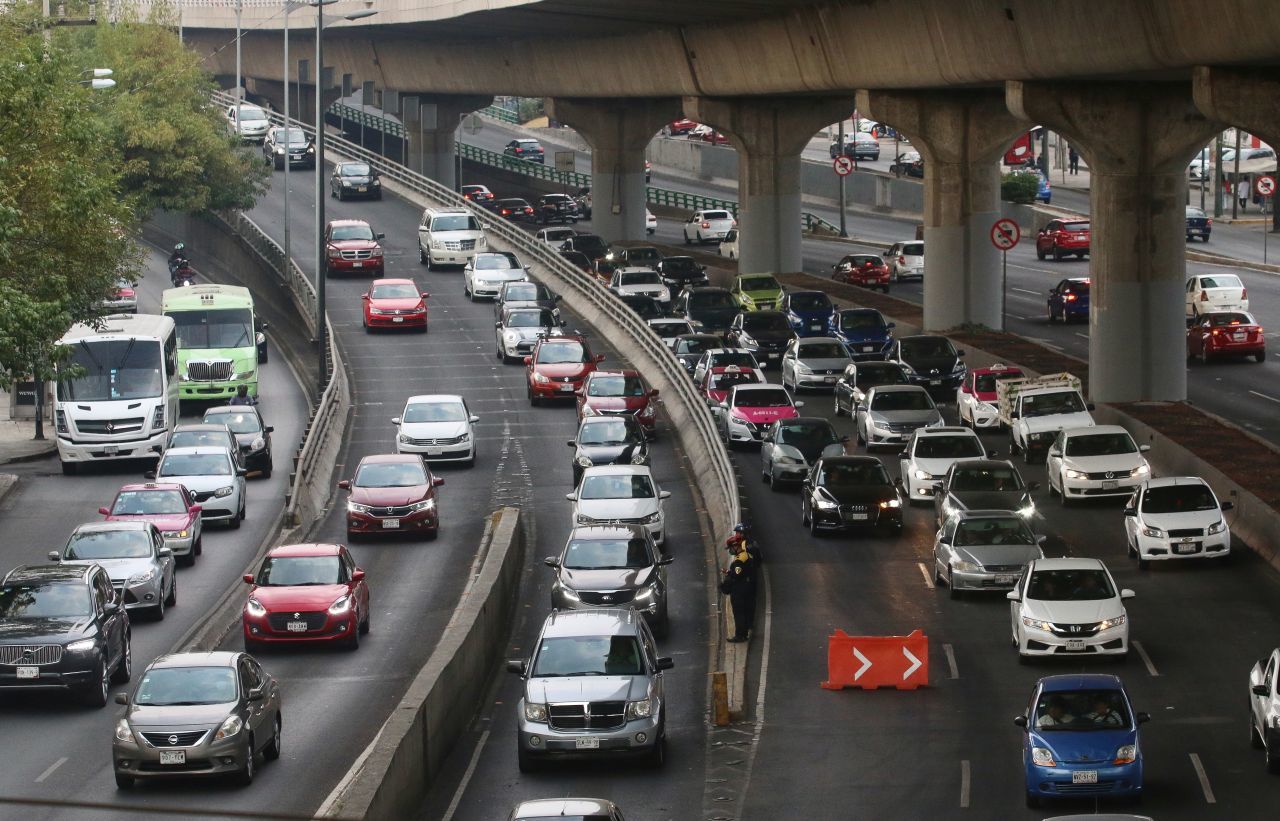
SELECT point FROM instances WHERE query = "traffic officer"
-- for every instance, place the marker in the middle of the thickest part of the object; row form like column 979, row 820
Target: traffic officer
column 739, row 584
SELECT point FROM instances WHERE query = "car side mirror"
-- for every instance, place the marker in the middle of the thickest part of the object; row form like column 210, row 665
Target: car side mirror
column 1131, row 511
column 897, row 482
column 798, row 404
column 551, row 561
column 1020, row 721
column 1142, row 718
column 528, row 360
column 767, row 437
column 599, row 357
column 844, row 439
column 664, row 494
column 248, row 578
column 150, row 474
column 473, row 418
column 497, row 324
column 437, row 481
column 991, row 454
column 380, row 236
column 165, row 552
column 1090, row 406
column 1012, row 595
column 571, row 443
column 364, row 297
column 665, row 560
column 891, row 325
column 665, row 663
column 395, row 420
column 1144, row 448
column 110, row 608
column 653, row 392
column 573, row 497
column 1054, row 452
column 426, row 295
column 269, row 429
column 357, row 575
column 105, row 511
column 241, row 472
column 1260, row 690
column 517, row 666
column 55, row 556
column 960, row 354
column 345, row 484
column 1127, row 593
column 1227, row 505
column 256, row 694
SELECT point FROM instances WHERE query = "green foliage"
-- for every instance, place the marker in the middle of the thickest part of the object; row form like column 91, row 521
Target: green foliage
column 1020, row 187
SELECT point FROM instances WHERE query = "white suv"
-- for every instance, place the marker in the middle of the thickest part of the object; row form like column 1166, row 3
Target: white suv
column 449, row 236
column 1176, row 517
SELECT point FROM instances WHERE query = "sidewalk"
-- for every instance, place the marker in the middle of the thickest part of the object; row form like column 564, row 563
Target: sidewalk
column 16, row 442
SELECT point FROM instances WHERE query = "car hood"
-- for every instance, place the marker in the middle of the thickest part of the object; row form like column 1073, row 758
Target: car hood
column 354, row 244
column 45, row 630
column 929, row 366
column 836, row 364
column 608, row 454
column 528, row 333
column 1083, row 747
column 905, row 417
column 577, row 370
column 176, row 521
column 402, row 304
column 861, row 494
column 301, row 598
column 773, row 294
column 1072, row 612
column 1120, row 463
column 644, row 290
column 585, row 688
column 202, row 484
column 939, row 467
column 1058, row 421
column 607, row 579
column 616, row 403
column 117, row 569
column 617, row 508
column 180, row 717
column 389, row 496
column 811, row 453
column 1001, row 554
column 856, row 335
column 763, row 416
column 814, row 315
column 433, row 430
column 991, row 499
column 1184, row 519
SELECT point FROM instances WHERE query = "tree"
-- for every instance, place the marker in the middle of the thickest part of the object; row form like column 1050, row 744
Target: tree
column 1020, row 187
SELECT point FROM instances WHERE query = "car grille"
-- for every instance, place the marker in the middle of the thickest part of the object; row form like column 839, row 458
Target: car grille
column 400, row 311
column 764, row 306
column 357, row 254
column 1002, row 568
column 1182, row 533
column 427, row 443
column 30, row 653
column 903, row 427
column 1075, row 631
column 1080, row 789
column 1109, row 474
column 125, row 595
column 215, row 370
column 280, row 621
column 108, row 426
column 610, row 598
column 595, row 715
column 618, row 412
column 183, row 739
column 460, row 245
column 401, row 510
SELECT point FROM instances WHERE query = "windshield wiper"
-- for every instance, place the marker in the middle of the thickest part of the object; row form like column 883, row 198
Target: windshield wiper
column 89, row 351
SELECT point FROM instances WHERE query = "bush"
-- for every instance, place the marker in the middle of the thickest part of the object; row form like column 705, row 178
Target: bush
column 1020, row 187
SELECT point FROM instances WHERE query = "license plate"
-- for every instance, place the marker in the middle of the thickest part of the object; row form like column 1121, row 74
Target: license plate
column 111, row 450
column 868, row 348
column 935, row 381
column 357, row 265
column 397, row 319
column 296, row 626
column 390, row 524
column 173, row 756
column 566, row 388
column 815, row 327
column 28, row 672
column 1239, row 337
column 362, row 188
column 587, row 743
column 1006, row 579
column 1185, row 548
column 1110, row 485
column 829, row 380
column 775, row 356
column 1084, row 777
column 1075, row 644
column 855, row 517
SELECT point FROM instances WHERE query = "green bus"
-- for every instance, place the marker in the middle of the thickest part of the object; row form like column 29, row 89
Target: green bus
column 218, row 340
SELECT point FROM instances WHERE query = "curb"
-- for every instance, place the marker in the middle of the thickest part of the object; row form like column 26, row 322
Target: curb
column 8, row 481
column 34, row 456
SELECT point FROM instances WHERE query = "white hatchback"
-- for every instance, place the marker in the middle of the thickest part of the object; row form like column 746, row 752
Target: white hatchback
column 708, row 226
column 1095, row 462
column 1207, row 293
column 905, row 259
column 437, row 426
column 1068, row 607
column 1176, row 517
column 620, row 494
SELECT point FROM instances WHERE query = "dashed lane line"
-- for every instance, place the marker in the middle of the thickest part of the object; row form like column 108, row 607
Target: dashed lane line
column 924, row 571
column 1204, row 779
column 951, row 660
column 1264, row 396
column 466, row 777
column 1146, row 660
column 964, row 781
column 55, row 765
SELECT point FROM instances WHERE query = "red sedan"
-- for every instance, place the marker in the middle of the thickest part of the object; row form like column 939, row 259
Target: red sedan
column 867, row 270
column 1062, row 238
column 1225, row 333
column 619, row 393
column 168, row 506
column 392, row 493
column 306, row 592
column 394, row 303
column 557, row 367
column 680, row 127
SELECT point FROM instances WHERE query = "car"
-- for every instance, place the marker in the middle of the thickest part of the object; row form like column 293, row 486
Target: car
column 717, row 382
column 711, row 309
column 554, row 236
column 597, row 809
column 808, row 312
column 766, row 334
column 1068, row 608
column 393, row 303
column 976, row 397
column 1060, row 238
column 983, row 484
column 192, row 435
column 707, row 134
column 168, row 506
column 580, row 261
column 1081, row 737
column 121, row 298
column 929, row 455
column 479, row 194
column 857, row 145
column 905, row 260
column 680, row 272
column 392, row 493
column 645, row 306
column 710, row 225
column 518, row 328
column 248, row 122
column 73, row 623
column 1207, row 293
column 756, row 292
column 592, row 687
column 866, row 334
column 134, row 555
column 525, row 149
column 718, row 357
column 608, row 440
column 1220, row 334
column 668, row 329
column 583, row 199
column 639, row 282
column 355, row 179
column 514, row 209
column 866, row 270
column 1095, row 463
column 556, row 208
column 485, row 274
column 352, row 246
column 311, row 593
column 213, row 477
column 558, row 366
column 859, row 377
column 930, row 361
column 619, row 393
column 253, row 436
column 790, row 447
column 438, row 427
column 908, row 164
column 634, row 256
column 983, row 550
column 681, row 127
column 1264, row 710
column 690, row 348
column 611, row 566
column 1069, row 300
column 728, row 247
column 750, row 409
column 449, row 236
column 198, row 715
column 526, row 294
column 291, row 145
column 620, row 494
column 650, row 221
column 814, row 362
column 1176, row 517
column 589, row 244
column 845, row 492
column 1199, row 224
column 891, row 413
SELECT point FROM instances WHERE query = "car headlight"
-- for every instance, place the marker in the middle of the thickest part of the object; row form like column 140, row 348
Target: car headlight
column 123, row 733
column 229, row 728
column 1036, row 624
column 639, row 456
column 784, row 459
column 404, row 440
column 353, row 507
column 888, row 503
column 311, row 149
column 224, row 492
column 425, row 504
column 1127, row 754
column 639, row 709
column 1026, row 511
column 254, row 607
column 342, row 605
column 966, row 567
column 376, row 252
column 1217, row 527
column 584, row 461
column 1076, row 474
column 376, row 182
column 825, row 504
column 803, row 368
column 652, row 518
column 142, row 578
column 649, row 410
column 437, row 244
column 1107, row 624
column 81, row 646
column 985, row 407
column 923, row 475
column 512, row 337
column 377, row 311
column 1152, row 532
column 907, row 368
column 537, row 377
column 176, row 534
column 584, row 519
column 464, row 438
column 1042, row 757
column 535, row 712
column 279, row 149
column 1042, row 436
column 959, row 368
column 1141, row 470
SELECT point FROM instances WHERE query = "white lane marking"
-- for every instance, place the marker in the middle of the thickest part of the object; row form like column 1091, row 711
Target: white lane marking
column 55, row 765
column 1264, row 396
column 951, row 660
column 964, row 781
column 1025, row 291
column 1142, row 652
column 924, row 571
column 1204, row 779
column 1082, row 336
column 466, row 777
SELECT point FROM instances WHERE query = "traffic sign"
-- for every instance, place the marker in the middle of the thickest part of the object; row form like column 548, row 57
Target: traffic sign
column 870, row 662
column 843, row 165
column 1265, row 186
column 565, row 161
column 1005, row 234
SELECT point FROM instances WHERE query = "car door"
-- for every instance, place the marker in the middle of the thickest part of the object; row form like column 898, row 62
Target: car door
column 360, row 589
column 860, row 413
column 788, row 363
column 905, row 460
column 1015, row 607
column 1262, row 705
column 767, row 447
column 165, row 564
column 941, row 494
column 844, row 387
column 734, row 335
column 944, row 546
column 1197, row 336
column 1193, row 285
column 114, row 623
column 1044, row 237
column 1054, row 458
column 256, row 711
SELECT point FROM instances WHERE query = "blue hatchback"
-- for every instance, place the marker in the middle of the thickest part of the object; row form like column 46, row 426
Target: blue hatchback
column 1069, row 300
column 863, row 331
column 1081, row 738
column 808, row 312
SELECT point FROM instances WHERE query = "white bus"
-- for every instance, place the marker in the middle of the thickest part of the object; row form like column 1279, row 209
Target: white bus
column 117, row 393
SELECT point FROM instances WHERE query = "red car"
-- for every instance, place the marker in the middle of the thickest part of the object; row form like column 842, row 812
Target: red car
column 394, row 303
column 392, row 493
column 306, row 592
column 681, row 127
column 1062, row 238
column 167, row 505
column 352, row 246
column 1226, row 333
column 867, row 270
column 619, row 393
column 478, row 194
column 557, row 367
column 717, row 382
column 715, row 138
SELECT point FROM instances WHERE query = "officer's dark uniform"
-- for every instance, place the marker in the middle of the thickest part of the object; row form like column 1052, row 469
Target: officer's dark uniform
column 739, row 584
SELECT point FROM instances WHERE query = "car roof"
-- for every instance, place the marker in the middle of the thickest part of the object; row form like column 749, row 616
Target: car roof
column 922, row 336
column 851, row 460
column 758, row 386
column 999, row 367
column 204, row 427
column 953, row 430
column 391, row 459
column 620, row 372
column 1069, row 563
column 229, row 409
column 618, row 470
column 198, row 450
column 1169, row 481
column 117, row 525
column 817, row 340
column 554, row 807
column 52, row 572
column 433, row 397
column 1095, row 429
column 212, row 658
column 337, row 223
column 593, row 622
column 391, row 281
column 899, row 389
column 308, row 549
column 984, row 464
column 807, row 420
column 618, row 531
column 1080, row 681
column 562, row 338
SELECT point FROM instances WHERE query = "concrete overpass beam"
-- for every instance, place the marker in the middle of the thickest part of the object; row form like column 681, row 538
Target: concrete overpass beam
column 769, row 133
column 618, row 130
column 1137, row 139
column 432, row 135
column 1244, row 97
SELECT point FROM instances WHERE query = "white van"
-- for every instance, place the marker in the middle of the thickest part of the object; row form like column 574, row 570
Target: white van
column 449, row 236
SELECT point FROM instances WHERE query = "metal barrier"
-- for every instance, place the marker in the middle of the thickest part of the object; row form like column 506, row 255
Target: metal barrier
column 506, row 115
column 691, row 202
column 367, row 120
column 538, row 170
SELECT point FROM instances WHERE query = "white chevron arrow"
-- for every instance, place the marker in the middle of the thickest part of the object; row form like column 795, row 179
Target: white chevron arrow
column 915, row 664
column 866, row 664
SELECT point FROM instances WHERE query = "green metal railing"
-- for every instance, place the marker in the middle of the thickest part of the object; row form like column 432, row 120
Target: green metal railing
column 690, row 202
column 367, row 120
column 538, row 170
column 814, row 224
column 506, row 115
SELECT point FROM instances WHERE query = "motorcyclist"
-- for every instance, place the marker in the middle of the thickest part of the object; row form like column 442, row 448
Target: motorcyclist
column 179, row 255
column 182, row 273
column 242, row 396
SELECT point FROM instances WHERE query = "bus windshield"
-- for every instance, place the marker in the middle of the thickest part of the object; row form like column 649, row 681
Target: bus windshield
column 207, row 329
column 111, row 369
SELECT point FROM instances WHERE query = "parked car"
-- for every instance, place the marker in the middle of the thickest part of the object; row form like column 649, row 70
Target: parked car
column 620, row 494
column 865, row 332
column 134, row 555
column 1176, row 517
column 756, row 292
column 791, row 447
column 858, row 378
column 352, row 246
column 393, row 303
column 291, row 145
column 485, row 275
column 929, row 455
column 1061, row 238
column 983, row 550
column 355, row 179
column 611, row 566
column 619, row 393
column 449, row 236
column 556, row 208
column 392, row 493
column 1069, row 607
column 517, row 331
column 1199, row 224
column 905, row 259
column 212, row 475
column 891, row 413
column 708, row 225
column 846, row 492
column 311, row 593
column 558, row 366
column 983, row 484
column 1095, row 462
column 438, row 427
column 608, row 440
column 766, row 334
column 865, row 270
column 1226, row 333
column 814, row 362
column 526, row 149
column 1207, row 293
column 1069, row 300
column 808, row 312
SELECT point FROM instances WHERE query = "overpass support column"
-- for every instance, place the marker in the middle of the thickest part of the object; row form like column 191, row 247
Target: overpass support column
column 769, row 134
column 432, row 137
column 1137, row 139
column 618, row 130
column 961, row 136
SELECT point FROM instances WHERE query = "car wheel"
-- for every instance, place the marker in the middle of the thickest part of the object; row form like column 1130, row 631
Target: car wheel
column 367, row 624
column 813, row 526
column 1057, row 255
column 1255, row 738
column 244, row 777
column 265, row 473
column 838, row 410
column 658, row 755
column 1062, row 492
column 1273, row 756
column 124, row 668
column 188, row 559
column 172, row 600
column 158, row 610
column 422, row 259
column 197, row 548
column 237, row 519
column 951, row 585
column 687, row 241
column 271, row 752
column 764, row 473
column 528, row 762
column 861, row 440
column 94, row 694
column 804, row 515
column 1260, row 356
column 69, row 468
column 124, row 782
column 1026, row 456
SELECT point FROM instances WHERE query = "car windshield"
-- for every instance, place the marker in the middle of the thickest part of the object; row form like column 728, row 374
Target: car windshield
column 1048, row 404
column 606, row 554
column 292, row 136
column 292, row 571
column 1010, row 530
column 1221, row 281
column 853, row 474
column 588, row 656
column 1100, row 444
column 927, row 348
column 805, row 435
column 197, row 438
column 237, row 421
column 913, row 249
column 527, row 145
column 623, row 486
column 111, row 369
column 810, row 302
column 108, row 544
column 391, row 474
column 1075, row 226
column 986, row 382
column 250, row 114
column 716, row 215
column 710, row 300
column 149, row 503
column 757, row 321
column 741, row 359
column 989, row 480
column 861, row 321
column 522, row 292
column 679, row 265
column 561, row 353
column 948, row 447
column 1077, row 584
column 530, row 319
column 643, row 255
column 870, row 375
column 49, row 600
column 765, row 283
column 1178, row 499
column 455, row 222
column 1220, row 320
column 355, row 169
column 606, row 432
column 615, row 386
column 667, row 330
column 221, row 328
column 435, row 412
column 696, row 345
column 639, row 278
column 399, row 290
column 186, row 686
column 590, row 244
column 766, row 398
column 1082, row 711
column 495, row 262
column 346, row 232
column 901, row 401
column 725, row 381
column 822, row 350
column 195, row 464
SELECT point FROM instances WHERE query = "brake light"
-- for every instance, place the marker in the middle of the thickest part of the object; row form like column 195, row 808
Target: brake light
column 506, row 211
column 519, row 150
column 1069, row 298
column 706, row 224
column 1209, row 221
column 1204, row 296
column 1216, row 331
column 528, row 209
column 1244, row 293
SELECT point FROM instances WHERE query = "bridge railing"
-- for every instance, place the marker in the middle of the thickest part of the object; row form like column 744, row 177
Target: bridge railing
column 537, row 170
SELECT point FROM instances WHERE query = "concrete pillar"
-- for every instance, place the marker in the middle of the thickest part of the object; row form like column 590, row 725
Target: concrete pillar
column 1248, row 98
column 961, row 135
column 618, row 130
column 769, row 133
column 432, row 151
column 1137, row 139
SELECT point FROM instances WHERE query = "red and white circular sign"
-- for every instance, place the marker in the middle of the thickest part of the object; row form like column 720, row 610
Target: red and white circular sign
column 843, row 165
column 1005, row 234
column 1265, row 185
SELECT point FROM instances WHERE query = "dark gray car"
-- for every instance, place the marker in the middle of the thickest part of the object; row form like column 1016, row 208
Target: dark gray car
column 983, row 484
column 611, row 566
column 608, row 440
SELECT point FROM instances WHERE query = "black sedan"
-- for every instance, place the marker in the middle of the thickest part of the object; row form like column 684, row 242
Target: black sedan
column 608, row 440
column 646, row 306
column 983, row 484
column 355, row 179
column 525, row 294
column 556, row 208
column 930, row 361
column 845, row 492
column 909, row 164
column 294, row 143
column 254, row 438
column 1199, row 224
column 591, row 245
column 682, row 272
column 526, row 149
column 514, row 209
column 689, row 348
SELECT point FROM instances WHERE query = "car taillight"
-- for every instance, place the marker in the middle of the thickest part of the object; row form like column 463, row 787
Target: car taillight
column 1244, row 293
column 528, row 209
column 734, row 223
column 1204, row 296
column 706, row 224
column 1069, row 298
column 1216, row 331
column 519, row 150
column 1209, row 221
column 506, row 211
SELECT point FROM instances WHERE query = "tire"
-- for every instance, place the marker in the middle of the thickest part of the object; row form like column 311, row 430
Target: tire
column 422, row 258
column 1260, row 357
column 1057, row 255
column 237, row 519
column 658, row 755
column 938, row 581
column 198, row 547
column 69, row 468
column 951, row 586
column 764, row 474
column 157, row 612
column 687, row 241
column 124, row 668
column 172, row 600
column 1033, row 801
column 813, row 526
column 528, row 762
column 838, row 410
column 187, row 560
column 244, row 776
column 95, row 694
column 366, row 624
column 1040, row 253
column 271, row 752
column 352, row 643
column 1062, row 493
column 1272, row 759
column 1255, row 738
column 124, row 782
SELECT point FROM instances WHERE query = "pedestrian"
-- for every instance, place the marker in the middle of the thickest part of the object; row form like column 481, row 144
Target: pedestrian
column 1242, row 192
column 1073, row 157
column 739, row 584
column 242, row 396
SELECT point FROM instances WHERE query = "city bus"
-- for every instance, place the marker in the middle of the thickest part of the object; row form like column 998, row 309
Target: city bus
column 217, row 340
column 117, row 389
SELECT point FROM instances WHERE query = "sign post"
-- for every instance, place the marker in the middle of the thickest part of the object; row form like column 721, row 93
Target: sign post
column 1266, row 188
column 1005, row 234
column 843, row 167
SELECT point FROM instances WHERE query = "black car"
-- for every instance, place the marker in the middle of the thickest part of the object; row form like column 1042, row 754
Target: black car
column 635, row 256
column 355, row 179
column 713, row 308
column 845, row 492
column 579, row 260
column 589, row 244
column 525, row 149
column 556, row 208
column 646, row 306
column 860, row 377
column 983, row 484
column 764, row 333
column 251, row 434
column 1199, row 224
column 296, row 144
column 525, row 294
column 689, row 348
column 909, row 164
column 478, row 194
column 682, row 272
column 514, row 209
column 64, row 628
column 608, row 440
column 930, row 361
column 202, row 434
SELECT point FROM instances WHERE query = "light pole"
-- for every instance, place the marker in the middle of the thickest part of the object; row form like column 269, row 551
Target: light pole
column 239, row 8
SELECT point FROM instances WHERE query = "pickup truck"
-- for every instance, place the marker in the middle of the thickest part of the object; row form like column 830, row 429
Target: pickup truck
column 1035, row 409
column 1264, row 709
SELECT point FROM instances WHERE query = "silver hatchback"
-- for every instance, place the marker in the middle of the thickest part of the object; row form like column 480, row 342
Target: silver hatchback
column 616, row 565
column 133, row 554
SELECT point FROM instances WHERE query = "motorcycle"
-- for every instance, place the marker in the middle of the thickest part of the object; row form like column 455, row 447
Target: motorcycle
column 182, row 274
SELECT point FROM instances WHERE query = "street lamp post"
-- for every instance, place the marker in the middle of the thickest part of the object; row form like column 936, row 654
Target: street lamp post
column 239, row 8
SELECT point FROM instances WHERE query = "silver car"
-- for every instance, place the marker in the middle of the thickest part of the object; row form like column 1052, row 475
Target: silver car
column 611, row 566
column 518, row 329
column 198, row 714
column 891, row 413
column 484, row 274
column 983, row 550
column 540, row 809
column 133, row 554
column 813, row 362
column 791, row 447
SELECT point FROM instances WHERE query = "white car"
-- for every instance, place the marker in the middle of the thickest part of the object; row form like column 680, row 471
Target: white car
column 485, row 274
column 1095, row 462
column 555, row 235
column 930, row 453
column 1068, row 607
column 668, row 328
column 1207, row 293
column 650, row 222
column 813, row 362
column 729, row 245
column 620, row 494
column 1176, row 517
column 1264, row 709
column 721, row 357
column 449, row 236
column 248, row 122
column 437, row 426
column 905, row 259
column 711, row 225
column 212, row 476
column 639, row 281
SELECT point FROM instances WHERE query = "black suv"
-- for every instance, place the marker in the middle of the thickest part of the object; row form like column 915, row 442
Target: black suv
column 296, row 144
column 556, row 208
column 525, row 149
column 63, row 627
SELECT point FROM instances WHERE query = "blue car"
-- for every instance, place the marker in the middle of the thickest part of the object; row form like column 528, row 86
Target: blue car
column 1081, row 737
column 863, row 331
column 808, row 312
column 1069, row 300
column 1044, row 192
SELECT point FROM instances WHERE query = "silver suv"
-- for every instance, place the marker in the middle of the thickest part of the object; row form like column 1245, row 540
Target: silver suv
column 593, row 687
column 610, row 566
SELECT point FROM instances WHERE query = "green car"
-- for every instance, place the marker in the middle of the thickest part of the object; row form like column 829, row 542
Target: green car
column 757, row 292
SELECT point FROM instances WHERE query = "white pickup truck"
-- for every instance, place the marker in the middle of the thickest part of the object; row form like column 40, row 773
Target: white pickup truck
column 1264, row 709
column 1035, row 409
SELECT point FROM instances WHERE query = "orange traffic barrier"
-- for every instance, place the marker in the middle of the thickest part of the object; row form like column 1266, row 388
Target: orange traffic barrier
column 870, row 662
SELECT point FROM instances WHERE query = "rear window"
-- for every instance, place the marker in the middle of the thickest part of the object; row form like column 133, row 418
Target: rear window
column 1194, row 213
column 1075, row 226
column 1221, row 281
column 913, row 249
column 1231, row 319
column 716, row 215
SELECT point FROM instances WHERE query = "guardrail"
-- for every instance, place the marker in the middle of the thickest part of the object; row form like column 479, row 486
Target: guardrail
column 364, row 118
column 690, row 202
column 537, row 170
column 506, row 115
